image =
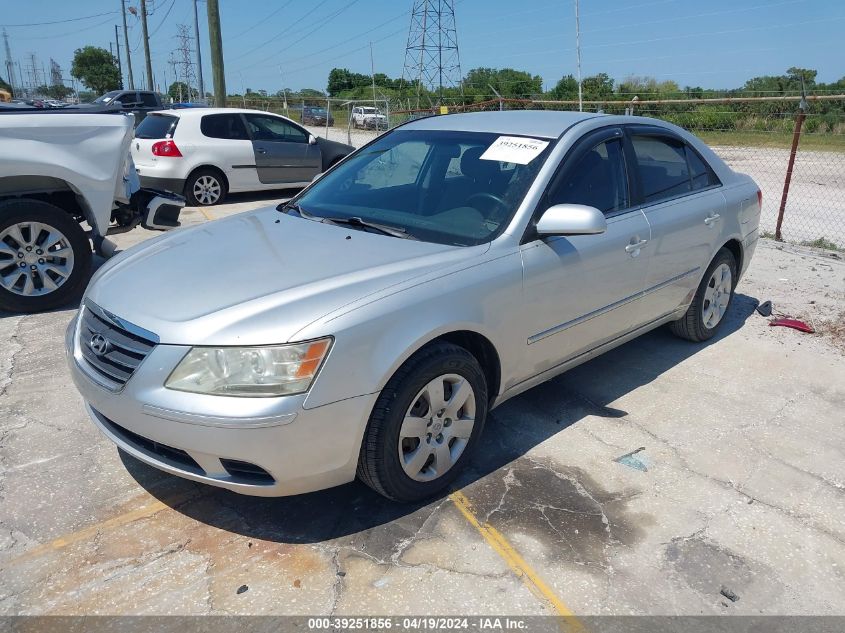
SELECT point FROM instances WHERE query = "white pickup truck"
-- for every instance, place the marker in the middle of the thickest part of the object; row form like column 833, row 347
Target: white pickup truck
column 67, row 180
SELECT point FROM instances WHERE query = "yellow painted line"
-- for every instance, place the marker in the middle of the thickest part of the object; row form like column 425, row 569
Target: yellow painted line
column 205, row 213
column 143, row 512
column 518, row 564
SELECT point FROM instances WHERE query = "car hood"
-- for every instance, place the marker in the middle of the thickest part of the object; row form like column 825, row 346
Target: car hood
column 260, row 277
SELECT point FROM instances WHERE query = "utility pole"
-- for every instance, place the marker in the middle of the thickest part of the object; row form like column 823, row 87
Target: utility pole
column 373, row 73
column 119, row 65
column 578, row 53
column 216, row 40
column 146, row 45
column 199, row 53
column 126, row 42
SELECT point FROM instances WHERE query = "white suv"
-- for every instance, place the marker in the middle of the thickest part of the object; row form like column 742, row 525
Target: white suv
column 369, row 118
column 206, row 153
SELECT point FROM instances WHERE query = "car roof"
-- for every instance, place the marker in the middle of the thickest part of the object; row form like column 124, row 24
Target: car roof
column 543, row 123
column 197, row 112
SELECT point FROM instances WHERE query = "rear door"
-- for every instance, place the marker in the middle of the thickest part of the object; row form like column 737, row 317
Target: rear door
column 682, row 200
column 282, row 150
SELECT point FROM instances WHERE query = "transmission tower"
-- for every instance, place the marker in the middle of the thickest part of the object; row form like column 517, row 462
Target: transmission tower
column 55, row 73
column 184, row 59
column 432, row 59
column 10, row 65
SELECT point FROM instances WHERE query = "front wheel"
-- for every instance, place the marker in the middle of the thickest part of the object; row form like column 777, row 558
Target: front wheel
column 45, row 257
column 712, row 300
column 424, row 424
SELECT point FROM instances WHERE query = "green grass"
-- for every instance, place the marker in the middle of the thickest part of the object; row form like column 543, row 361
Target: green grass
column 823, row 243
column 743, row 138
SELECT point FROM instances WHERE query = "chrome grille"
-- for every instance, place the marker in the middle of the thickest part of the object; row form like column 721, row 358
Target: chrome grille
column 112, row 348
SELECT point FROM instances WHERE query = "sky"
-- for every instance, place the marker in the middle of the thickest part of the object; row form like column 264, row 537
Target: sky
column 270, row 44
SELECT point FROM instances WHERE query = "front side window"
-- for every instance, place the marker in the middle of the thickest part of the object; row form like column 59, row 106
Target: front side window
column 270, row 128
column 662, row 167
column 598, row 180
column 226, row 126
column 434, row 184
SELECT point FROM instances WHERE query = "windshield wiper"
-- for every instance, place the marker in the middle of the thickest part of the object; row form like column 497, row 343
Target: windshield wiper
column 393, row 231
column 302, row 212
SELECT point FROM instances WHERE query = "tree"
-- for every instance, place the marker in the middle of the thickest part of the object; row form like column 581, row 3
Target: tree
column 566, row 89
column 597, row 88
column 4, row 85
column 510, row 83
column 57, row 91
column 178, row 91
column 96, row 68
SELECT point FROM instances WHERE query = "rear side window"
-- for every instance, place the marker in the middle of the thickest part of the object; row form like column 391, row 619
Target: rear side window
column 157, row 126
column 662, row 166
column 227, row 126
column 700, row 172
column 148, row 99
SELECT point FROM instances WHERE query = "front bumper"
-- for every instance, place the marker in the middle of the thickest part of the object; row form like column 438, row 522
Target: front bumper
column 255, row 446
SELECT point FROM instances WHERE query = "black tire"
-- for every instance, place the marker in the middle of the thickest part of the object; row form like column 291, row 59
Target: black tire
column 378, row 464
column 217, row 175
column 692, row 326
column 69, row 290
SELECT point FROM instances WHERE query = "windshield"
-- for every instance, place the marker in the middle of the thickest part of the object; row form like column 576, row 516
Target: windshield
column 369, row 110
column 106, row 98
column 438, row 186
column 317, row 110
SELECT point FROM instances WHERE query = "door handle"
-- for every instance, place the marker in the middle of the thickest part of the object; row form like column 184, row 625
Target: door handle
column 635, row 247
column 260, row 150
column 710, row 219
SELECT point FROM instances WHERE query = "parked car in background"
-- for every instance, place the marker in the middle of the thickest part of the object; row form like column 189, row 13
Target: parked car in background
column 58, row 170
column 368, row 325
column 209, row 152
column 138, row 102
column 316, row 115
column 369, row 118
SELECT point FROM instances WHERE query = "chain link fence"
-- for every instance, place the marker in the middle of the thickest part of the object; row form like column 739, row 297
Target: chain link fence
column 754, row 136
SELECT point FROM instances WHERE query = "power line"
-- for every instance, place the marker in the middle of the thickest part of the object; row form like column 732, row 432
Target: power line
column 65, row 34
column 282, row 32
column 164, row 19
column 260, row 22
column 86, row 17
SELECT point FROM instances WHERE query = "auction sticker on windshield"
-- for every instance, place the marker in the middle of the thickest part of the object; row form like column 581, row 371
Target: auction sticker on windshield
column 514, row 149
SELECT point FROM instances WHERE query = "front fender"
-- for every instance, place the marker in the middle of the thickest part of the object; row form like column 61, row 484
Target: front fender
column 372, row 341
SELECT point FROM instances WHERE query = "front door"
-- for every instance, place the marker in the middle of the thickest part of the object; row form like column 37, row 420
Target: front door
column 584, row 290
column 283, row 154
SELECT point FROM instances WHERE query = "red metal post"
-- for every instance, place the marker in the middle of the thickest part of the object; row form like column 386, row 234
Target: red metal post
column 796, row 136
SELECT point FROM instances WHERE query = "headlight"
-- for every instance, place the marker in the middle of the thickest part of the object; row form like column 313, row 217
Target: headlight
column 278, row 370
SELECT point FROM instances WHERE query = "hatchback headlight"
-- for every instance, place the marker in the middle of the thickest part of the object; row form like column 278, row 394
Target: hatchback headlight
column 277, row 370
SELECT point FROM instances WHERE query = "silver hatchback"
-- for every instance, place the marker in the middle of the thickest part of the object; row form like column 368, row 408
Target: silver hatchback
column 366, row 327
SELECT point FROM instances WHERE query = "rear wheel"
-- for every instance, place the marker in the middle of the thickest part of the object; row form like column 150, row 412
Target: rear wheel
column 424, row 424
column 205, row 188
column 45, row 256
column 712, row 300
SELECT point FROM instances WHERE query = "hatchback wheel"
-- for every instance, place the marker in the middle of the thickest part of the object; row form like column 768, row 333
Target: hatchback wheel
column 711, row 301
column 424, row 424
column 205, row 188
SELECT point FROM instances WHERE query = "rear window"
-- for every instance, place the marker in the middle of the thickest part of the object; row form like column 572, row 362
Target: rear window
column 157, row 126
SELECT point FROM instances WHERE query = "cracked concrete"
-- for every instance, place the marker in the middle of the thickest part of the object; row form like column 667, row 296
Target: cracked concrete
column 744, row 490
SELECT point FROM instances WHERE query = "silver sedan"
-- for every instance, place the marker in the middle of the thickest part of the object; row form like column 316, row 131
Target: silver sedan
column 368, row 326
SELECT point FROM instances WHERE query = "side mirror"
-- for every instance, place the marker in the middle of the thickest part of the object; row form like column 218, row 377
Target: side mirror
column 312, row 140
column 571, row 219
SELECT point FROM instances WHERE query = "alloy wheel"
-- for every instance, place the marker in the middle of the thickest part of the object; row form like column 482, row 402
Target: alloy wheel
column 35, row 259
column 437, row 427
column 207, row 189
column 717, row 295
